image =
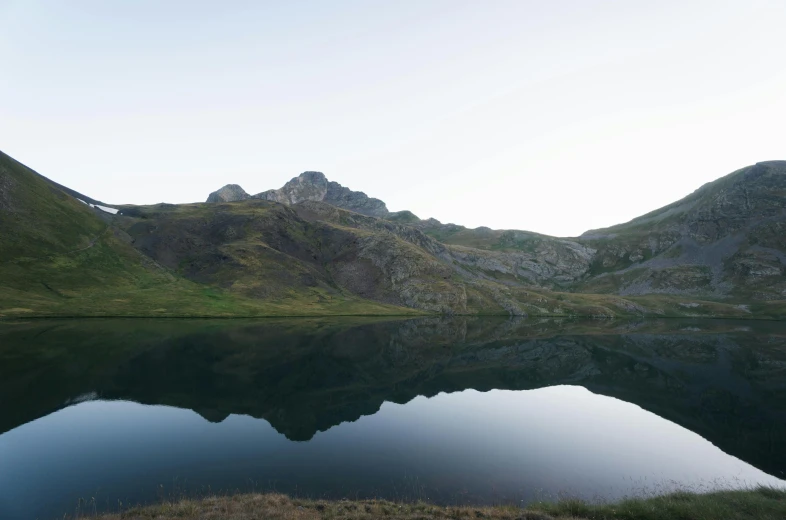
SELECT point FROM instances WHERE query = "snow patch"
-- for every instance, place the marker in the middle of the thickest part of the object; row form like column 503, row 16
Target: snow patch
column 113, row 211
column 107, row 209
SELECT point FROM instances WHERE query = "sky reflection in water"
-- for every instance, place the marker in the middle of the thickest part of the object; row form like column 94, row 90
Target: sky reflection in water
column 452, row 410
column 497, row 446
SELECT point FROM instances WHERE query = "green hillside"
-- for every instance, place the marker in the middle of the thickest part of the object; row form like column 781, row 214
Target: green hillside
column 58, row 256
column 718, row 253
column 726, row 240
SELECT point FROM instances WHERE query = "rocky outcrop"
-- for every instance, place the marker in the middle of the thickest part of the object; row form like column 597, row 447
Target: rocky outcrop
column 548, row 262
column 314, row 186
column 551, row 265
column 308, row 186
column 356, row 201
column 552, row 262
column 229, row 193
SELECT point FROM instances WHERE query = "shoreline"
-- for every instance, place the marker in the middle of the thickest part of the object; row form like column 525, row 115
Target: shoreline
column 760, row 503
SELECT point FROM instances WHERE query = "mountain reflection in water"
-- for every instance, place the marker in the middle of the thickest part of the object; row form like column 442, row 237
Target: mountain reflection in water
column 449, row 443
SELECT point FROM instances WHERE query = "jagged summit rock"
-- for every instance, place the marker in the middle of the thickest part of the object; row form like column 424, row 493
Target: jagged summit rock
column 229, row 193
column 306, row 186
column 309, row 186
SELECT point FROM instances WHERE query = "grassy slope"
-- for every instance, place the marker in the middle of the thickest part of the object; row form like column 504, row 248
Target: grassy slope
column 628, row 236
column 758, row 504
column 758, row 215
column 263, row 250
column 59, row 258
column 635, row 235
column 650, row 236
column 484, row 238
column 495, row 294
column 672, row 212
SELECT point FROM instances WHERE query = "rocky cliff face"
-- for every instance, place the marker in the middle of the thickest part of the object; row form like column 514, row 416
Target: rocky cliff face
column 308, row 186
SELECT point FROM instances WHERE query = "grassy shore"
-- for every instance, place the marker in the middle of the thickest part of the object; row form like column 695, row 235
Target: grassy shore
column 760, row 504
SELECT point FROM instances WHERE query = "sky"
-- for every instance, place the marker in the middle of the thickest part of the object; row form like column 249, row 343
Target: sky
column 555, row 117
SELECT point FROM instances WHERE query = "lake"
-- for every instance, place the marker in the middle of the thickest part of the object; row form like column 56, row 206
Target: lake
column 96, row 415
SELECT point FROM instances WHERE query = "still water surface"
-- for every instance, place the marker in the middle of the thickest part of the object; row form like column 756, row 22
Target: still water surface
column 452, row 411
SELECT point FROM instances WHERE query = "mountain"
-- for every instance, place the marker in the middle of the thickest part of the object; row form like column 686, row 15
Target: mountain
column 727, row 239
column 308, row 186
column 314, row 246
column 60, row 256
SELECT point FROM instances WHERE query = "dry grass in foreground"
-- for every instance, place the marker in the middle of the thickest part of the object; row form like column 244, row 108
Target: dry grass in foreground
column 760, row 504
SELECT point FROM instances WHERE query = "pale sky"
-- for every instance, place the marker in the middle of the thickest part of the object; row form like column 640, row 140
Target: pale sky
column 550, row 116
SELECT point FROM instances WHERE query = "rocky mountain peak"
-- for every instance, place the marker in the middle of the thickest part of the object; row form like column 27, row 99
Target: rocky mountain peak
column 312, row 177
column 309, row 186
column 229, row 193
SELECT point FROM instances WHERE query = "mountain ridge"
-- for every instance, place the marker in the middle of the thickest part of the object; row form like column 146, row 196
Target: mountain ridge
column 306, row 186
column 309, row 185
column 687, row 241
column 306, row 248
